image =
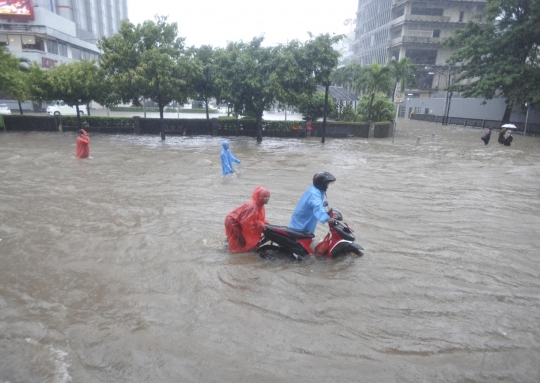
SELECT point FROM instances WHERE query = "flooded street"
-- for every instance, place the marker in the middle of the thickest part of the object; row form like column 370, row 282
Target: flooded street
column 114, row 268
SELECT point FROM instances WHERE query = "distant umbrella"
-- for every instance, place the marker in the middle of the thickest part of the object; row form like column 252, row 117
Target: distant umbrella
column 510, row 126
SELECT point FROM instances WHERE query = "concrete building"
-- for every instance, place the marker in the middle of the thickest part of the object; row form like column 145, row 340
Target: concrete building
column 389, row 29
column 346, row 46
column 56, row 31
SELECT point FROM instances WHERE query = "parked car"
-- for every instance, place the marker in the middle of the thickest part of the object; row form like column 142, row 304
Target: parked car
column 4, row 109
column 59, row 107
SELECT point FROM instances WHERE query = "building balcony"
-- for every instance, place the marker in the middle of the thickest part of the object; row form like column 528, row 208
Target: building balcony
column 414, row 40
column 419, row 18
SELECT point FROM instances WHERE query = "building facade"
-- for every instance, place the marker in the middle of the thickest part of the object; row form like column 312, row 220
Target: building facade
column 56, row 31
column 389, row 29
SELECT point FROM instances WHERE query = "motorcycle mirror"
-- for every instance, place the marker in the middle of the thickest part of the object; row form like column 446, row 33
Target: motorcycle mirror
column 325, row 204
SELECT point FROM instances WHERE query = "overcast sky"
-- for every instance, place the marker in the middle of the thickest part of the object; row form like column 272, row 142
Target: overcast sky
column 213, row 22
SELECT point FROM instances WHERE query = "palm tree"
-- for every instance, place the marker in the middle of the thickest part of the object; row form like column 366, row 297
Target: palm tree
column 374, row 79
column 403, row 72
column 347, row 76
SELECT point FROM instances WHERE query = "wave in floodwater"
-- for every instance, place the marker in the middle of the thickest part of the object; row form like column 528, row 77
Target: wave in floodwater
column 115, row 268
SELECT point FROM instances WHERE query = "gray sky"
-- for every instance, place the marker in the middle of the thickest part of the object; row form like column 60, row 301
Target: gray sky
column 213, row 22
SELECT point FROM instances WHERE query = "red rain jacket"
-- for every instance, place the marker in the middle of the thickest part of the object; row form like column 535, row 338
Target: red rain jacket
column 244, row 225
column 83, row 150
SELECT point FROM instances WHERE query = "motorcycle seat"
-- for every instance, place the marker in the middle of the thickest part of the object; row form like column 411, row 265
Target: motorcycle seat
column 291, row 233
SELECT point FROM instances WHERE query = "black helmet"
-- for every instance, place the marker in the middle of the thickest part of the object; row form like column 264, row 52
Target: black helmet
column 322, row 179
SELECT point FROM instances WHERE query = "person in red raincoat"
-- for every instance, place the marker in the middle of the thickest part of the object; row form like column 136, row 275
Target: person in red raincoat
column 244, row 225
column 83, row 150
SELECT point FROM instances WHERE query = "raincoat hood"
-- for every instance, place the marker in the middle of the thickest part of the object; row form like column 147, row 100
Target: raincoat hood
column 258, row 194
column 82, row 131
column 227, row 160
column 245, row 224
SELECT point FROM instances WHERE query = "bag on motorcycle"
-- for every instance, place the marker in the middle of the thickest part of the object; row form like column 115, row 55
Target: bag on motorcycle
column 322, row 247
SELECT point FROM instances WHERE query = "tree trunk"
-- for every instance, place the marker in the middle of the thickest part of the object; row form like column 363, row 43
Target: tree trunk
column 259, row 126
column 20, row 107
column 79, row 122
column 161, row 125
column 507, row 112
column 394, row 92
column 207, row 115
column 325, row 111
column 88, row 108
column 371, row 107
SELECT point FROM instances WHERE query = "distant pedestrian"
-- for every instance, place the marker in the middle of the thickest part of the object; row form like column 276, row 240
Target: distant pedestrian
column 83, row 142
column 227, row 159
column 501, row 136
column 486, row 136
column 508, row 138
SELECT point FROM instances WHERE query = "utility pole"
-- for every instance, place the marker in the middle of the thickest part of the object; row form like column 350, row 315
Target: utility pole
column 528, row 105
column 446, row 101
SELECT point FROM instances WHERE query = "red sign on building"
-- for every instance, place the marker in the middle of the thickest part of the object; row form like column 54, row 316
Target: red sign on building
column 17, row 9
column 47, row 63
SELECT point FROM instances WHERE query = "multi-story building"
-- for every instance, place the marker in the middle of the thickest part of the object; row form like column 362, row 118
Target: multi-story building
column 345, row 46
column 389, row 29
column 55, row 31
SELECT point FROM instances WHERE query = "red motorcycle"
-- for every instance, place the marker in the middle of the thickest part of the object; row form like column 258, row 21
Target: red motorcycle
column 296, row 244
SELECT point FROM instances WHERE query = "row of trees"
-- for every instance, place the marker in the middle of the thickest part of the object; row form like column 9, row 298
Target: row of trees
column 497, row 54
column 149, row 60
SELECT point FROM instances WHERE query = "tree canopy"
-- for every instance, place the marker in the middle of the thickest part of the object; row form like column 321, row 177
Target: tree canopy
column 149, row 60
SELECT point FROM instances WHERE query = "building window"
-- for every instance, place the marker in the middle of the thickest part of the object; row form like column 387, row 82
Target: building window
column 4, row 40
column 437, row 33
column 33, row 42
column 75, row 53
column 427, row 11
column 52, row 46
column 422, row 56
column 62, row 50
column 15, row 43
column 461, row 14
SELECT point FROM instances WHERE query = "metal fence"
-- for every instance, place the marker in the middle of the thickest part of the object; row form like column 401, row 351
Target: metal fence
column 477, row 123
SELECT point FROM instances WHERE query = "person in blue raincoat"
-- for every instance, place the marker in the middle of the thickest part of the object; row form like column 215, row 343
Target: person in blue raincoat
column 310, row 208
column 227, row 159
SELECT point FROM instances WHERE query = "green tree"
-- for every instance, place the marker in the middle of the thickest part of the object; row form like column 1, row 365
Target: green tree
column 311, row 105
column 347, row 76
column 323, row 59
column 252, row 77
column 205, row 85
column 104, row 90
column 403, row 73
column 379, row 107
column 73, row 83
column 374, row 79
column 498, row 53
column 13, row 78
column 38, row 87
column 149, row 60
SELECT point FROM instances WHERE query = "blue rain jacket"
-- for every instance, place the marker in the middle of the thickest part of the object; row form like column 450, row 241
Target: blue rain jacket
column 227, row 159
column 309, row 210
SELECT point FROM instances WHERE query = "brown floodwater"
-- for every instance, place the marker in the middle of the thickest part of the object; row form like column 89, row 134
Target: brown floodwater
column 114, row 268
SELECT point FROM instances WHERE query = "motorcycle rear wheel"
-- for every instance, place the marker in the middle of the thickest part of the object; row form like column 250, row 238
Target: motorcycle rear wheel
column 274, row 252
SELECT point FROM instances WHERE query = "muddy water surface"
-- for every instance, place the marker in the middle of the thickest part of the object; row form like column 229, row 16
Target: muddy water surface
column 114, row 269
